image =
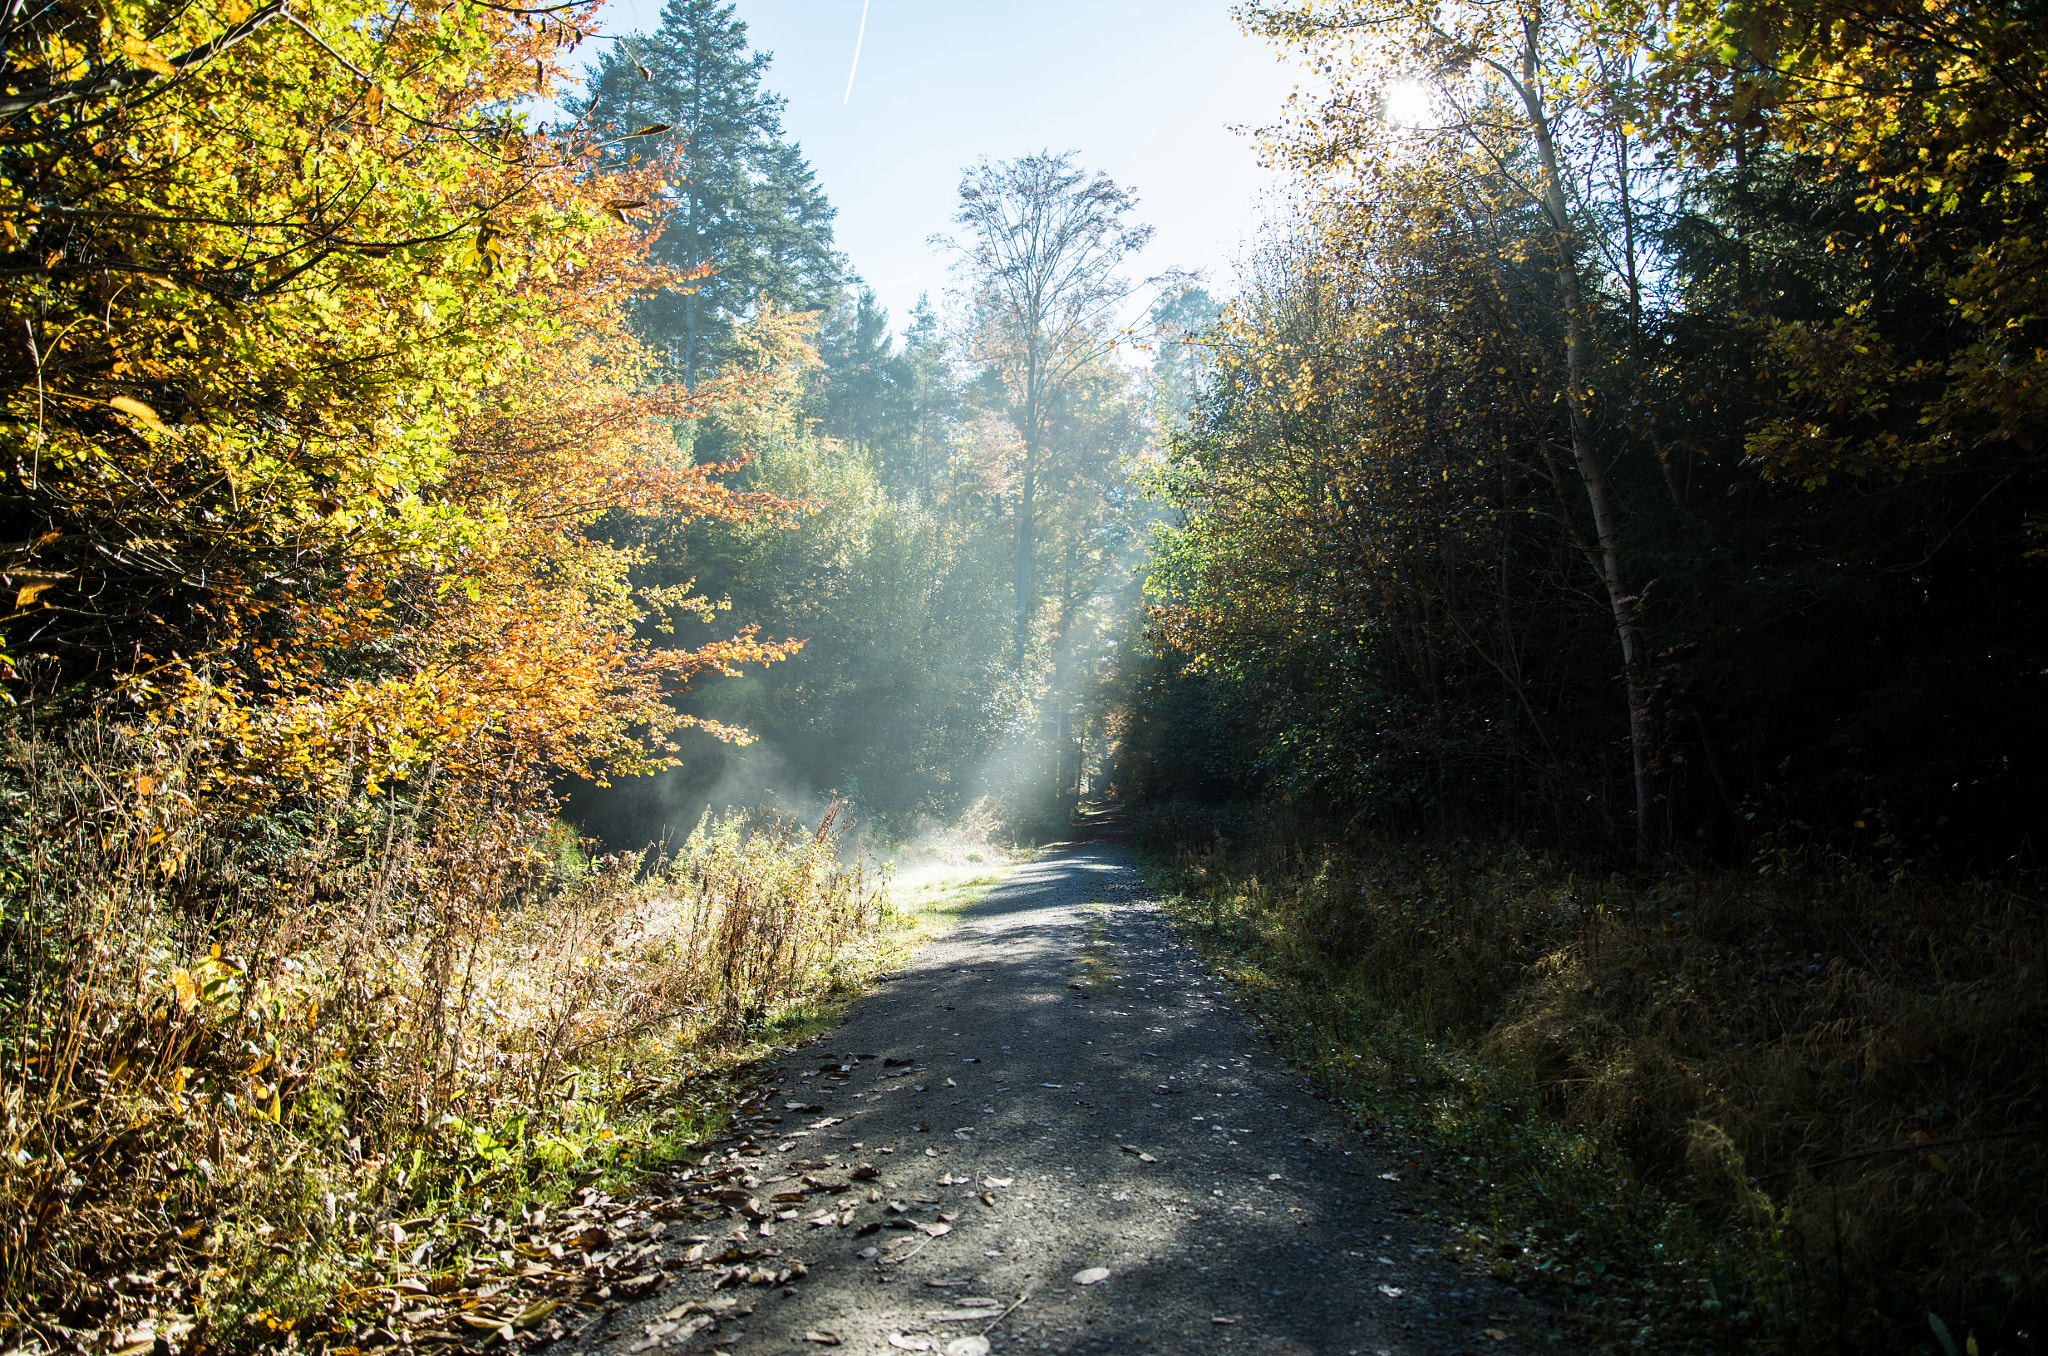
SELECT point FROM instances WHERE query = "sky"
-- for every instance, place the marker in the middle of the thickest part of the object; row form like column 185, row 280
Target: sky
column 1146, row 90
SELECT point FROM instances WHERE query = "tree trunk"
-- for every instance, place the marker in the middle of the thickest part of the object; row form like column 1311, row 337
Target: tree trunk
column 1627, row 616
column 1025, row 528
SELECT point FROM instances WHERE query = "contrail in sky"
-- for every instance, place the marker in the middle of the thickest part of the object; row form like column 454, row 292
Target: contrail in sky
column 856, row 53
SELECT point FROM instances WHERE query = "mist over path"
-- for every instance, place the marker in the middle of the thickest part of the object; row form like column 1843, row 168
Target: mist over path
column 1069, row 1060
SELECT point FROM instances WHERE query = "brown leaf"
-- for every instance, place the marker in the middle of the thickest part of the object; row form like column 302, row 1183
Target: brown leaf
column 822, row 1337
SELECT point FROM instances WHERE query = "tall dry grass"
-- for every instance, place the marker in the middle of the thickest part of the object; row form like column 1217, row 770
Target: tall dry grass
column 234, row 1046
column 1823, row 1087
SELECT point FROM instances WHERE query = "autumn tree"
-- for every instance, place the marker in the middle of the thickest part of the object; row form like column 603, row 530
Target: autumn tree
column 319, row 376
column 1041, row 263
column 1512, row 83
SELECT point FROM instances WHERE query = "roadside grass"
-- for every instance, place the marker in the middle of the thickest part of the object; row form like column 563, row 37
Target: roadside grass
column 1713, row 1111
column 254, row 1064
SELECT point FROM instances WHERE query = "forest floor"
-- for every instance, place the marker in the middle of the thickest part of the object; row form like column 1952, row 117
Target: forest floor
column 1050, row 1131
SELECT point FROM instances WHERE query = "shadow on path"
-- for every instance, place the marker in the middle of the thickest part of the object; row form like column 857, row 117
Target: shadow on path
column 1053, row 1089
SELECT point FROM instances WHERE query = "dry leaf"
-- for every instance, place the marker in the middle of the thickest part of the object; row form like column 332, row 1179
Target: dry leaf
column 1091, row 1276
column 1495, row 1333
column 902, row 1343
column 822, row 1337
column 967, row 1346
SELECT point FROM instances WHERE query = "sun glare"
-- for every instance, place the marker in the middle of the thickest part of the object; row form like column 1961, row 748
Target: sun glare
column 1406, row 103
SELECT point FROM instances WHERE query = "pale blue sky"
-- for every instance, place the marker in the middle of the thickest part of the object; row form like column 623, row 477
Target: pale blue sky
column 1146, row 90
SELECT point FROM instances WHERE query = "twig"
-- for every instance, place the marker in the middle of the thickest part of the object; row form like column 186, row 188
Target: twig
column 1006, row 1313
column 897, row 1261
column 1893, row 1149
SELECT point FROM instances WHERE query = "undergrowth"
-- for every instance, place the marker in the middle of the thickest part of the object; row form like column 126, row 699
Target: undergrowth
column 244, row 1055
column 1717, row 1110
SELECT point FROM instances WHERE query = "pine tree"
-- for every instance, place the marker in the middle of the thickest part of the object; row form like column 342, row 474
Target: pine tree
column 748, row 206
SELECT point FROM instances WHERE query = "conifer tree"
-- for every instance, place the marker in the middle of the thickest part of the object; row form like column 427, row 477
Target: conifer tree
column 746, row 204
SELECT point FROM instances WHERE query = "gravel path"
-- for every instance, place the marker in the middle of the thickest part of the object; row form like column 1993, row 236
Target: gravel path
column 981, row 1128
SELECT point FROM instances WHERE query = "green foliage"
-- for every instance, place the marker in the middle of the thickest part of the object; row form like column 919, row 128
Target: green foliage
column 746, row 219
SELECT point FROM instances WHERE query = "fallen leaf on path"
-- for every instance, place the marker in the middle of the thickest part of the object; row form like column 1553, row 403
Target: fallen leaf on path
column 869, row 1254
column 902, row 1343
column 1091, row 1276
column 1220, row 1320
column 822, row 1337
column 936, row 1230
column 866, row 1172
column 1392, row 1291
column 1495, row 1333
column 967, row 1346
column 951, row 1084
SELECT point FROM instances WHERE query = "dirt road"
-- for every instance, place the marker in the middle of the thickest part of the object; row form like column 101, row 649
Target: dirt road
column 1055, row 1101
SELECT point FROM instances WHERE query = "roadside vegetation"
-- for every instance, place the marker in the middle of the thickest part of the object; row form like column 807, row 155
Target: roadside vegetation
column 241, row 1074
column 1592, row 697
column 1707, row 1110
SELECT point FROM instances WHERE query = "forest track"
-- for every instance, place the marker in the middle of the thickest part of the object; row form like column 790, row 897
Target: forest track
column 1134, row 1124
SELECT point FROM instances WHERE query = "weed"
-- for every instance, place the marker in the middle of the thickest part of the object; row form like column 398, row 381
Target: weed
column 243, row 1056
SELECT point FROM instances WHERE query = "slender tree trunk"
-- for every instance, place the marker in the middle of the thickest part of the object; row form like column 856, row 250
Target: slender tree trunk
column 1026, row 506
column 1578, row 360
column 690, row 343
